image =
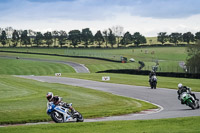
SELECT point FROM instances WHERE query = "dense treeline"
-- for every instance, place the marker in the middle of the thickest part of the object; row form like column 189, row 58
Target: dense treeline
column 76, row 38
column 193, row 59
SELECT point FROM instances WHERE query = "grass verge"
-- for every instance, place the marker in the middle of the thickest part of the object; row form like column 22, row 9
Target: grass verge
column 175, row 125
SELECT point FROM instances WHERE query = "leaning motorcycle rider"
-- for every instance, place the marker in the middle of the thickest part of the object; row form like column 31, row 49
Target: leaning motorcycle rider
column 186, row 89
column 58, row 101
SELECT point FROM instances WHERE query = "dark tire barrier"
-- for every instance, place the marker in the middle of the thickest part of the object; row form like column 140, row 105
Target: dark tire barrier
column 146, row 72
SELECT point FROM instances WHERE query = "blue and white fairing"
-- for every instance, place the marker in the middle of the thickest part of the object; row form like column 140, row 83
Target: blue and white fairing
column 50, row 107
column 60, row 109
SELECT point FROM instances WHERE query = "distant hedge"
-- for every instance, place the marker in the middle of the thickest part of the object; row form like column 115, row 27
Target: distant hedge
column 146, row 72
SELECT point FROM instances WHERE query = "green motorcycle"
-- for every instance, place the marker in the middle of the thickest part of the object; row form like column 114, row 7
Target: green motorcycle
column 189, row 100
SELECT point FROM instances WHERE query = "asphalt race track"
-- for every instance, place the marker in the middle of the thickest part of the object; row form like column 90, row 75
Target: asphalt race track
column 166, row 99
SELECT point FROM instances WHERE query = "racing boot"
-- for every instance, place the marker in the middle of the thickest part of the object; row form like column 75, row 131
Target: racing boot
column 74, row 113
column 182, row 102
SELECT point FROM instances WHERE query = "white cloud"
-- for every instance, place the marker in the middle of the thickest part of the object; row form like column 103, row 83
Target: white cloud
column 148, row 17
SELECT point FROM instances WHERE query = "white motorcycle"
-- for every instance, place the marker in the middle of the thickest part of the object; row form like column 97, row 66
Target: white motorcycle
column 60, row 114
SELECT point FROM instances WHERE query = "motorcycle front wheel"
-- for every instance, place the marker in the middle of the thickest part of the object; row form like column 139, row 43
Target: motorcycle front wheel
column 57, row 117
column 155, row 84
column 191, row 104
column 79, row 117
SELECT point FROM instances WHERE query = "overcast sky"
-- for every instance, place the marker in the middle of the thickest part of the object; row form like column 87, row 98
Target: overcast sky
column 148, row 17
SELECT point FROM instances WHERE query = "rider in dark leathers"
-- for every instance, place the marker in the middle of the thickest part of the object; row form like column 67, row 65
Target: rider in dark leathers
column 152, row 73
column 182, row 89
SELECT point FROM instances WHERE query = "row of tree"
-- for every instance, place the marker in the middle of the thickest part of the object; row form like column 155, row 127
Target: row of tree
column 175, row 38
column 112, row 36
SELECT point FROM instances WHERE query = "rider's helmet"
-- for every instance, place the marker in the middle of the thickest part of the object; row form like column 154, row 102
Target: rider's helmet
column 49, row 96
column 180, row 85
column 152, row 72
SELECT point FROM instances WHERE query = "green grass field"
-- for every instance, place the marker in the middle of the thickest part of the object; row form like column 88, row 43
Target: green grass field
column 26, row 67
column 175, row 125
column 167, row 57
column 160, row 53
column 50, row 68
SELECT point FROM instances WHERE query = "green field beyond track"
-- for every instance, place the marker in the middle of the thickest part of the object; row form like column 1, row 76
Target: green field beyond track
column 167, row 57
column 145, row 54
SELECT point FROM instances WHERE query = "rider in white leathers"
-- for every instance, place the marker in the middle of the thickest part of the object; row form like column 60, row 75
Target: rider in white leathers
column 58, row 101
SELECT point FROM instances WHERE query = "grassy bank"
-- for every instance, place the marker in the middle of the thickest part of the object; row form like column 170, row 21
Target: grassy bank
column 26, row 67
column 175, row 125
column 24, row 100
